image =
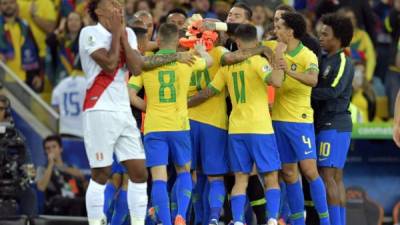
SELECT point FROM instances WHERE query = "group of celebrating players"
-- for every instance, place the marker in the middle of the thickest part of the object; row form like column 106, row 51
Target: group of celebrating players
column 186, row 123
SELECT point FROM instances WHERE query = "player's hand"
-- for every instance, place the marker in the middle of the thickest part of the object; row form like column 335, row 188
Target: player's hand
column 186, row 57
column 268, row 53
column 200, row 47
column 280, row 48
column 116, row 22
column 280, row 63
column 396, row 134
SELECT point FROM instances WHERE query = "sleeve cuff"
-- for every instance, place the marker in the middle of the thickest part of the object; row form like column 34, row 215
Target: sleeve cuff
column 220, row 26
column 213, row 89
column 137, row 88
column 311, row 69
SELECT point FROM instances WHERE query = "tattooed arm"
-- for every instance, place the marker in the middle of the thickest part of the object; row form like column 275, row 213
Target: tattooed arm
column 230, row 58
column 154, row 61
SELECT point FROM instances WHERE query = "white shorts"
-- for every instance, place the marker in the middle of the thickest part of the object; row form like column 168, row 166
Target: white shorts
column 108, row 132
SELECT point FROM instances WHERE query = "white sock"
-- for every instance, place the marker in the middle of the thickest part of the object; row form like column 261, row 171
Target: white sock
column 137, row 202
column 95, row 203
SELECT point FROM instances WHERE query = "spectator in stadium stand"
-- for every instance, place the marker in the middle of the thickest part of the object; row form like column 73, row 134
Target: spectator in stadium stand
column 272, row 4
column 21, row 57
column 64, row 186
column 262, row 16
column 392, row 83
column 141, row 5
column 361, row 42
column 41, row 16
column 129, row 9
column 363, row 97
column 362, row 10
column 65, row 7
column 67, row 98
column 64, row 48
column 202, row 7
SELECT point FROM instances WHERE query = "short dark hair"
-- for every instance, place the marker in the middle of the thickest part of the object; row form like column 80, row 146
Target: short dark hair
column 286, row 8
column 168, row 31
column 178, row 11
column 341, row 26
column 296, row 22
column 92, row 6
column 54, row 137
column 246, row 32
column 247, row 9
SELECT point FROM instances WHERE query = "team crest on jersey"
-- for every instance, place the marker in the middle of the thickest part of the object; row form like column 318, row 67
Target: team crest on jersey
column 266, row 69
column 91, row 40
column 326, row 72
column 293, row 67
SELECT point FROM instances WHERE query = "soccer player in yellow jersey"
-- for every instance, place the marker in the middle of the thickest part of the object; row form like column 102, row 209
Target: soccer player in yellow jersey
column 251, row 137
column 166, row 126
column 208, row 131
column 292, row 117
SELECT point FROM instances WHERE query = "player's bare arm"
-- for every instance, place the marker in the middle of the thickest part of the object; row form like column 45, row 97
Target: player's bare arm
column 309, row 78
column 136, row 101
column 240, row 55
column 200, row 49
column 108, row 60
column 134, row 60
column 154, row 61
column 277, row 74
column 200, row 97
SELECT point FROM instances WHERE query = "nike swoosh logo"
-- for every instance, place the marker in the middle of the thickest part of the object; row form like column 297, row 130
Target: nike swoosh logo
column 307, row 153
column 323, row 159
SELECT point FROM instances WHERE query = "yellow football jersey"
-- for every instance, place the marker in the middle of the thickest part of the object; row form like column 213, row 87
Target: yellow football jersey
column 246, row 85
column 213, row 111
column 166, row 94
column 293, row 98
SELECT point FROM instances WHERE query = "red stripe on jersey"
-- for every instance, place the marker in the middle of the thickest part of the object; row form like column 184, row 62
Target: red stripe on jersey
column 101, row 82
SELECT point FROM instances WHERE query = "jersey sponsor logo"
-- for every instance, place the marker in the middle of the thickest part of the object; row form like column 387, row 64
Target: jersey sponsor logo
column 293, row 67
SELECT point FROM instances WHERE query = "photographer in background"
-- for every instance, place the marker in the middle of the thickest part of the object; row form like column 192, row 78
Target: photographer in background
column 17, row 171
column 64, row 186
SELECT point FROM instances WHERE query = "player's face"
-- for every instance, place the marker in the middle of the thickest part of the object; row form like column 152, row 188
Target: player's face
column 177, row 19
column 282, row 32
column 237, row 15
column 148, row 21
column 8, row 8
column 327, row 38
column 52, row 147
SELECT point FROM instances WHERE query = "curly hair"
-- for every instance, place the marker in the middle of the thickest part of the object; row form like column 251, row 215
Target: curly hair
column 92, row 6
column 296, row 22
column 341, row 26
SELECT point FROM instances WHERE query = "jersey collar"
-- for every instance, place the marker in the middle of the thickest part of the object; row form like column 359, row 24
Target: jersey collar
column 296, row 51
column 165, row 51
